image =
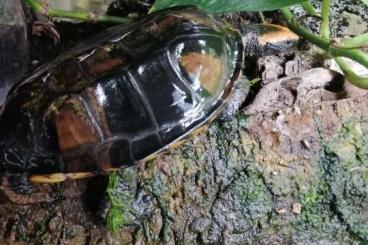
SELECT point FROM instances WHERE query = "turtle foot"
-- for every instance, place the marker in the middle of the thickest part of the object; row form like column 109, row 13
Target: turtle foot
column 18, row 190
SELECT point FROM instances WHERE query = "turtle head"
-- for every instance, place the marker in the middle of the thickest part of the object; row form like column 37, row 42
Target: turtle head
column 267, row 39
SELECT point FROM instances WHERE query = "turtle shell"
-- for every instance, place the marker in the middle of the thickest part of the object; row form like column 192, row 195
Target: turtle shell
column 122, row 96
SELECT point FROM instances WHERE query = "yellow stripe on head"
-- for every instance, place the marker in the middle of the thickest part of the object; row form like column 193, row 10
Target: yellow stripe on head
column 267, row 39
column 275, row 34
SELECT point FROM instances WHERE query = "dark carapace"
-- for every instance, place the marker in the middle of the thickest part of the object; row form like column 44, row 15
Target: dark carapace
column 124, row 95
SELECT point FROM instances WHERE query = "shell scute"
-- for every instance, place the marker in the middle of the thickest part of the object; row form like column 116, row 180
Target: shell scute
column 121, row 97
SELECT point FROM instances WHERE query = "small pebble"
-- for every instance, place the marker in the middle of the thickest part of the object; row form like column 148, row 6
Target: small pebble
column 297, row 110
column 296, row 208
column 54, row 223
column 281, row 210
column 306, row 144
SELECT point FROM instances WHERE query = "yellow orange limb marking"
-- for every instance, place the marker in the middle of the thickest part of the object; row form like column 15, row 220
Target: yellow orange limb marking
column 59, row 177
column 80, row 175
column 111, row 169
column 48, row 178
column 149, row 158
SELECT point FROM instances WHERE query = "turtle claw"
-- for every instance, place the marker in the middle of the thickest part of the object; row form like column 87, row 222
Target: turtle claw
column 40, row 28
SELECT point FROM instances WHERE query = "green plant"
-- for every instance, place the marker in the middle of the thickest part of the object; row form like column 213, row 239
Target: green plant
column 79, row 15
column 221, row 6
column 349, row 48
column 119, row 210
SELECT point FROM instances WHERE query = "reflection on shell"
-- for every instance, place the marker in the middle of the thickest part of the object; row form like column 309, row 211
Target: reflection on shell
column 205, row 67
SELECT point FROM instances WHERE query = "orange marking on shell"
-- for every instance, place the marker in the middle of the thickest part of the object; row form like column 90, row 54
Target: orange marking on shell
column 72, row 128
column 105, row 66
column 102, row 60
column 205, row 67
column 103, row 157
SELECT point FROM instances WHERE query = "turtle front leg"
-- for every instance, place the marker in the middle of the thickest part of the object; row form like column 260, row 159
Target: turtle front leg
column 236, row 100
column 19, row 190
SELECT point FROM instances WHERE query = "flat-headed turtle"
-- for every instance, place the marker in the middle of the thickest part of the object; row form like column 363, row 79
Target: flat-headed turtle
column 125, row 95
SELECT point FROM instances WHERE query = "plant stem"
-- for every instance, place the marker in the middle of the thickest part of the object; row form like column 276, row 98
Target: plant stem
column 325, row 26
column 36, row 6
column 301, row 31
column 355, row 42
column 307, row 6
column 262, row 17
column 361, row 82
column 85, row 16
column 333, row 50
column 353, row 54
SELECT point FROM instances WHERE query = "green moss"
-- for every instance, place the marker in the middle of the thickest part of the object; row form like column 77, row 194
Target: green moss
column 344, row 164
column 317, row 193
column 319, row 218
column 365, row 176
column 120, row 202
column 315, row 205
column 351, row 147
column 226, row 139
column 254, row 190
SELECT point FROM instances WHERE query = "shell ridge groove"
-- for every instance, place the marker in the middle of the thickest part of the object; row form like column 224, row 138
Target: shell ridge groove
column 146, row 104
column 90, row 112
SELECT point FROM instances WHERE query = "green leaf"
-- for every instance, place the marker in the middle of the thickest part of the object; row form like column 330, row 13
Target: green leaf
column 365, row 1
column 221, row 6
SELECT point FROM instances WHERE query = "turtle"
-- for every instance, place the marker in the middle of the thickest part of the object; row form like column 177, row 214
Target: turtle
column 125, row 95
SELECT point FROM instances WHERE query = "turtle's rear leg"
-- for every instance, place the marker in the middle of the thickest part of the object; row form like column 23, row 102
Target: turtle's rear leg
column 19, row 190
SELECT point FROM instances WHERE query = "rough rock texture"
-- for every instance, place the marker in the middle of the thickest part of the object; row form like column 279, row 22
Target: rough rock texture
column 306, row 88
